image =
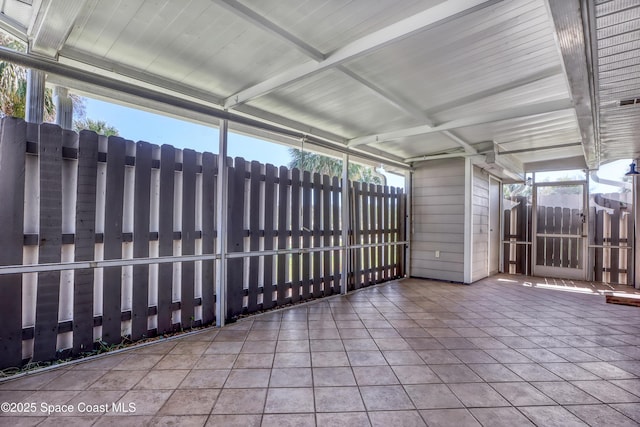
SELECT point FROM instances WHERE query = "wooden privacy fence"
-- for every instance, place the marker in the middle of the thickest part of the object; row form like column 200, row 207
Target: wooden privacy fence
column 610, row 248
column 102, row 239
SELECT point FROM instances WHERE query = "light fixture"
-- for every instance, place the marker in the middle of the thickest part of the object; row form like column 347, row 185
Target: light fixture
column 632, row 170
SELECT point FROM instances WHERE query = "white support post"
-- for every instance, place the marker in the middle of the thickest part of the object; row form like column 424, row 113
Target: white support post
column 408, row 221
column 64, row 107
column 636, row 230
column 34, row 109
column 221, row 226
column 468, row 221
column 345, row 224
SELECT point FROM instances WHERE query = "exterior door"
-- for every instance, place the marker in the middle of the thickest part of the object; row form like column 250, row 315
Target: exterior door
column 559, row 244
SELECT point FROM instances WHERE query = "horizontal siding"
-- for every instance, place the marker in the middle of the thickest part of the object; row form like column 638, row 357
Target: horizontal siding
column 438, row 220
column 480, row 231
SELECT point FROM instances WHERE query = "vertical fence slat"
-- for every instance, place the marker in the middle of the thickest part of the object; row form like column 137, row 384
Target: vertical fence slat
column 335, row 192
column 12, row 183
column 523, row 217
column 385, row 232
column 317, row 271
column 85, row 240
column 165, row 237
column 269, row 194
column 599, row 240
column 283, row 193
column 326, row 229
column 50, row 236
column 614, row 268
column 141, row 219
column 370, row 227
column 112, row 287
column 575, row 228
column 306, row 234
column 379, row 263
column 235, row 237
column 254, row 235
column 189, row 166
column 366, row 232
column 557, row 228
column 393, row 234
column 357, row 235
column 209, row 162
column 295, row 234
column 629, row 252
column 566, row 241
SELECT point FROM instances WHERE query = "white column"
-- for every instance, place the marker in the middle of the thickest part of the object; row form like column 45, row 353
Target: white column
column 636, row 229
column 221, row 227
column 64, row 107
column 408, row 222
column 345, row 224
column 34, row 108
column 468, row 220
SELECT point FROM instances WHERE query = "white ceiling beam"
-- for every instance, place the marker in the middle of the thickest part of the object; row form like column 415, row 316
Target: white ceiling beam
column 13, row 27
column 580, row 68
column 497, row 90
column 53, row 24
column 258, row 20
column 439, row 14
column 497, row 116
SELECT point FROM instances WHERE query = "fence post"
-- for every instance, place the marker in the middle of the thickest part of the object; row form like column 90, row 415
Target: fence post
column 221, row 221
column 406, row 222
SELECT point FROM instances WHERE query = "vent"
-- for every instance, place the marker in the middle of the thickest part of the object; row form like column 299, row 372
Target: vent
column 629, row 101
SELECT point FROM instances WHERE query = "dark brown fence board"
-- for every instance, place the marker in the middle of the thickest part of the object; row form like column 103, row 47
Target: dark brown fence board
column 523, row 231
column 386, row 265
column 557, row 228
column 393, row 236
column 366, row 231
column 629, row 252
column 269, row 194
column 295, row 234
column 566, row 241
column 12, row 181
column 370, row 227
column 599, row 240
column 112, row 286
column 357, row 234
column 549, row 228
column 141, row 219
column 283, row 195
column 85, row 238
column 335, row 183
column 326, row 236
column 614, row 267
column 306, row 234
column 317, row 214
column 49, row 251
column 187, row 290
column 165, row 237
column 235, row 237
column 379, row 227
column 575, row 228
column 209, row 190
column 506, row 255
column 254, row 235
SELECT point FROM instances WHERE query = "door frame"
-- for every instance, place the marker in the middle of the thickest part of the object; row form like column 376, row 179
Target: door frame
column 560, row 272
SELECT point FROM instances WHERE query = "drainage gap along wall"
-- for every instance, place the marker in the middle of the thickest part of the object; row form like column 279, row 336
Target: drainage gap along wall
column 103, row 239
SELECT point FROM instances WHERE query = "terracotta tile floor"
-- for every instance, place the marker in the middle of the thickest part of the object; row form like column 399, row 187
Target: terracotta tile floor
column 508, row 350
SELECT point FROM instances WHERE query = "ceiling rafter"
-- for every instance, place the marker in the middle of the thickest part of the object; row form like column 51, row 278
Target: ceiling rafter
column 436, row 15
column 412, row 110
column 497, row 116
column 53, row 24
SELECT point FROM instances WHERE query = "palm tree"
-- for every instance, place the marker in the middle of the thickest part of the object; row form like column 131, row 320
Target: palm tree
column 13, row 87
column 326, row 165
column 98, row 126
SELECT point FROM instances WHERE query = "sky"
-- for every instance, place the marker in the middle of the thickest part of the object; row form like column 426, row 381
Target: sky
column 138, row 125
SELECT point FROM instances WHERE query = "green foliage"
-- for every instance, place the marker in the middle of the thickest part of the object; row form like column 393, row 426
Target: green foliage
column 326, row 165
column 98, row 126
